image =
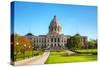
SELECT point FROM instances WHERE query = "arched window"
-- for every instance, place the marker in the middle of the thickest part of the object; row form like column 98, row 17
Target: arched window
column 55, row 45
column 59, row 45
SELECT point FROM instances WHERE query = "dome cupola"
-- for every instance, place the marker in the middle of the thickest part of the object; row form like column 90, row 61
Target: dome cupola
column 55, row 26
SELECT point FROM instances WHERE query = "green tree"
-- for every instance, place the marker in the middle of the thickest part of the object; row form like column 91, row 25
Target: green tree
column 75, row 42
column 92, row 44
column 78, row 41
column 70, row 43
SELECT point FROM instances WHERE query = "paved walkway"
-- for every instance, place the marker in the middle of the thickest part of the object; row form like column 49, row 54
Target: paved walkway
column 70, row 52
column 34, row 60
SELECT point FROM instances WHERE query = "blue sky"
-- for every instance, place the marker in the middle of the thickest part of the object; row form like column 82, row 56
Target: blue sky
column 36, row 17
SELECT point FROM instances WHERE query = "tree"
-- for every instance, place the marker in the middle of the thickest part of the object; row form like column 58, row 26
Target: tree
column 75, row 42
column 78, row 41
column 70, row 44
column 92, row 44
column 24, row 43
column 19, row 44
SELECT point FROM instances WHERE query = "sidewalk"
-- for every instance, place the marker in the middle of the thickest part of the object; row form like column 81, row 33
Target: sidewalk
column 34, row 60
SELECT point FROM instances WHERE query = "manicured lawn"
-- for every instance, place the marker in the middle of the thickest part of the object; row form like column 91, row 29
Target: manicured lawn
column 87, row 51
column 57, row 57
column 22, row 56
column 28, row 54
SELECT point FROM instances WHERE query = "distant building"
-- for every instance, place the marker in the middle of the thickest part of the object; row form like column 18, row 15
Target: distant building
column 54, row 38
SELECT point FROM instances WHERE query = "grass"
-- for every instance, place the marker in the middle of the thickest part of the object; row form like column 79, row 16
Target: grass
column 28, row 54
column 57, row 57
column 87, row 50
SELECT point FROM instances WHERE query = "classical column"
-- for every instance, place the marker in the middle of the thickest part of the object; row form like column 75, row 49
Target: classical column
column 53, row 42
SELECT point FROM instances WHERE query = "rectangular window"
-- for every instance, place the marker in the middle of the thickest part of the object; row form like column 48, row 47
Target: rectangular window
column 55, row 39
column 58, row 40
column 51, row 39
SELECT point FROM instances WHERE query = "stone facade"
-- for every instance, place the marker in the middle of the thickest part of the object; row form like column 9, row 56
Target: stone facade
column 54, row 38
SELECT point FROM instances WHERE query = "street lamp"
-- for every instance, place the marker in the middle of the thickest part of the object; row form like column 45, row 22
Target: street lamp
column 17, row 43
column 24, row 49
column 24, row 45
column 29, row 50
column 29, row 46
column 32, row 50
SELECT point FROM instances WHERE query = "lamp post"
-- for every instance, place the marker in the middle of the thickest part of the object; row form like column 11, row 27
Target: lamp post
column 32, row 50
column 29, row 50
column 24, row 50
column 29, row 47
column 17, row 43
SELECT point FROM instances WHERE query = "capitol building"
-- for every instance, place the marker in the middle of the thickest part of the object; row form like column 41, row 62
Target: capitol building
column 54, row 38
